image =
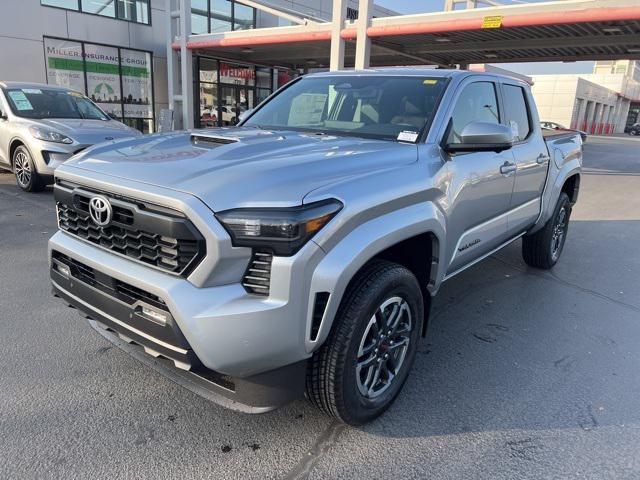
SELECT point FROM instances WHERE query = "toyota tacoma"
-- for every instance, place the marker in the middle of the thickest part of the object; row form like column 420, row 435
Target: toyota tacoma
column 298, row 253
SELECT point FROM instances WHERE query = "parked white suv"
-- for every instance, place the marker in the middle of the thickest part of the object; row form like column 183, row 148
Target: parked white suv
column 42, row 126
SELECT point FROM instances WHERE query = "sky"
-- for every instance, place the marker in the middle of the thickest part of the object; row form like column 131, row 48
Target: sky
column 540, row 68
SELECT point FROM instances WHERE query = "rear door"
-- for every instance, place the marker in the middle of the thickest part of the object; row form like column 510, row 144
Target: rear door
column 480, row 182
column 529, row 154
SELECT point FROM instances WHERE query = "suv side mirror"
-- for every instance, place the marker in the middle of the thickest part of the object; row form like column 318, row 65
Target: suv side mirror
column 483, row 137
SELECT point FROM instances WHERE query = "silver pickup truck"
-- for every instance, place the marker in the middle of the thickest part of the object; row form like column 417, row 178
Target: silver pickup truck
column 299, row 252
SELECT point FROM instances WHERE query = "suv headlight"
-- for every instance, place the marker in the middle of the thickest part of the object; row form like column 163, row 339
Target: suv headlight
column 281, row 230
column 49, row 135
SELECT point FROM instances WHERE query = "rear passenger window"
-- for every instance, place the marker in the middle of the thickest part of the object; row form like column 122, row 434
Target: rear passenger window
column 517, row 111
column 477, row 103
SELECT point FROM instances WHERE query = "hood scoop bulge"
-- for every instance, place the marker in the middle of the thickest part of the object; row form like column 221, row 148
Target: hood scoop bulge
column 209, row 141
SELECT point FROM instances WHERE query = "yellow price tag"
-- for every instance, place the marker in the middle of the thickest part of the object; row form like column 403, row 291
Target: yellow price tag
column 430, row 82
column 492, row 22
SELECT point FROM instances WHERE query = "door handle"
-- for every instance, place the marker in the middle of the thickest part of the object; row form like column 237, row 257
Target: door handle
column 507, row 168
column 542, row 158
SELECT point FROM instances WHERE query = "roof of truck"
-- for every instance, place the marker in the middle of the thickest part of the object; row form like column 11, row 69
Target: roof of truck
column 411, row 72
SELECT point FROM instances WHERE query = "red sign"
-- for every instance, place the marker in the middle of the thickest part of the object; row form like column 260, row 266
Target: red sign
column 237, row 71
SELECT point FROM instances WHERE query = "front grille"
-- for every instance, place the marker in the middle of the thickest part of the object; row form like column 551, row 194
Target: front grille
column 161, row 239
column 258, row 275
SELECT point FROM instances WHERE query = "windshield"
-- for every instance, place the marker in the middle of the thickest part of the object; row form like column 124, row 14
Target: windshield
column 49, row 103
column 384, row 107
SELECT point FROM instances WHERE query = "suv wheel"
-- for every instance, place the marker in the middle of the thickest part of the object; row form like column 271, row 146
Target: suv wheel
column 360, row 369
column 543, row 248
column 24, row 169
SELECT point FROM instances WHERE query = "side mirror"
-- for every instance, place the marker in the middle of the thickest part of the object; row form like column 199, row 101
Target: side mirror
column 3, row 116
column 483, row 137
column 245, row 114
column 113, row 116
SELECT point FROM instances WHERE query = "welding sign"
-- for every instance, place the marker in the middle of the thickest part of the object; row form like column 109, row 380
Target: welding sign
column 492, row 22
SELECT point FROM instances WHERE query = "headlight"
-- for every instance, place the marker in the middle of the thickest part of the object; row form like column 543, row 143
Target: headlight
column 49, row 135
column 281, row 230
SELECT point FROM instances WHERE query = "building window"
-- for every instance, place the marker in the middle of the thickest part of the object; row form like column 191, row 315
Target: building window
column 218, row 16
column 199, row 16
column 137, row 11
column 119, row 80
column 68, row 4
column 243, row 17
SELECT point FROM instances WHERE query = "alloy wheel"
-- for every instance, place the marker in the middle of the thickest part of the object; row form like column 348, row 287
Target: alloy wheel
column 383, row 347
column 22, row 168
column 559, row 232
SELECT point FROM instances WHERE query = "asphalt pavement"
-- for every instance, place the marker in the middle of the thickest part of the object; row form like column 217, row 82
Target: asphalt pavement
column 523, row 374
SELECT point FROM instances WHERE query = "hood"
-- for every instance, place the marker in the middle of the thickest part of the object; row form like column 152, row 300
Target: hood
column 240, row 167
column 89, row 132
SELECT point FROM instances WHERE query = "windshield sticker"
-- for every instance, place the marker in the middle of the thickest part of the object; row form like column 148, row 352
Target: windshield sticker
column 429, row 81
column 32, row 90
column 20, row 100
column 408, row 136
column 75, row 94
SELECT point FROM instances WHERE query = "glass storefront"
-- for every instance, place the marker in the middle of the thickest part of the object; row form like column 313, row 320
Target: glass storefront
column 224, row 90
column 119, row 80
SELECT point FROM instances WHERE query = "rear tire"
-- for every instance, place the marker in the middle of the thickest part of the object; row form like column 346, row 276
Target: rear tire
column 361, row 367
column 24, row 169
column 543, row 248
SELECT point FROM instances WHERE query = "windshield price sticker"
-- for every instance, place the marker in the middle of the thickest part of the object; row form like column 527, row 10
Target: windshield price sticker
column 430, row 81
column 32, row 91
column 20, row 100
column 408, row 136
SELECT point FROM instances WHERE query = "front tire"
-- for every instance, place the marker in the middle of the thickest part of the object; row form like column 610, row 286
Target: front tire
column 360, row 369
column 543, row 248
column 24, row 169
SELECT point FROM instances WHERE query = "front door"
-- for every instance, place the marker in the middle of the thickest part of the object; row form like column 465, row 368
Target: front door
column 233, row 101
column 481, row 182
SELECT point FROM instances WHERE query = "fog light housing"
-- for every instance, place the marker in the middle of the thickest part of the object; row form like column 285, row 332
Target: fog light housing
column 63, row 269
column 153, row 315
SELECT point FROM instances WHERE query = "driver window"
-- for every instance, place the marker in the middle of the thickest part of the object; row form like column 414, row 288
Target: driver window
column 477, row 103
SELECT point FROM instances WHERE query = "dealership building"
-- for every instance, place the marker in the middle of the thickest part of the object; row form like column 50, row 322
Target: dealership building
column 115, row 52
column 133, row 58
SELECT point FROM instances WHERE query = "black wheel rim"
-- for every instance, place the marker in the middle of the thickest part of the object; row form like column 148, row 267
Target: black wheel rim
column 383, row 347
column 559, row 234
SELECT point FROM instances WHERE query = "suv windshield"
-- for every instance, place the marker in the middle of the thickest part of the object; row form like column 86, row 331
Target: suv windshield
column 384, row 107
column 51, row 103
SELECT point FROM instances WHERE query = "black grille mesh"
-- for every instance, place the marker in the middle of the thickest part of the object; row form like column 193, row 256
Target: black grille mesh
column 167, row 253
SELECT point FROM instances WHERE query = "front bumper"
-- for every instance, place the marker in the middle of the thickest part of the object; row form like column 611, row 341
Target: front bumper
column 48, row 155
column 219, row 340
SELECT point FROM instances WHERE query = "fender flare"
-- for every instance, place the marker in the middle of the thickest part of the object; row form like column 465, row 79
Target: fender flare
column 561, row 172
column 343, row 262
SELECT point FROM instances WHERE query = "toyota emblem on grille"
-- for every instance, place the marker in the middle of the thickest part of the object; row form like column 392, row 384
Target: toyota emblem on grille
column 100, row 210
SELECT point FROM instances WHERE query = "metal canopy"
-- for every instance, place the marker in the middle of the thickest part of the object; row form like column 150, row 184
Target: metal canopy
column 554, row 31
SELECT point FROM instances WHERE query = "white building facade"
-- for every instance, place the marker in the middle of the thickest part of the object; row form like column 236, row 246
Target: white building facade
column 606, row 101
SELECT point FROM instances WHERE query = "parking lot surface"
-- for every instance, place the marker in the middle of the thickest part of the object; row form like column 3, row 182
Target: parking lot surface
column 523, row 373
